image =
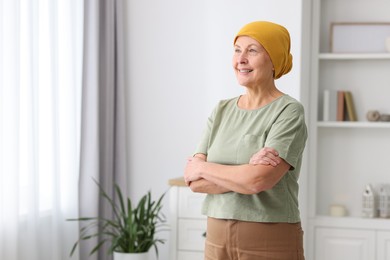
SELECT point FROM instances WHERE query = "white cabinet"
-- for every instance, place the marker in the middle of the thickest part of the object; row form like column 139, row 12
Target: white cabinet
column 191, row 234
column 383, row 245
column 342, row 244
column 188, row 226
column 357, row 244
column 337, row 238
column 340, row 163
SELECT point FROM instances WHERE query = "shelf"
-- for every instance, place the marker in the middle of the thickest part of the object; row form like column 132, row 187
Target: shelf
column 354, row 56
column 338, row 163
column 353, row 124
column 352, row 222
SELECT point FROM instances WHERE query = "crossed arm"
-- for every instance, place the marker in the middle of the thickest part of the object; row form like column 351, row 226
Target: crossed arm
column 263, row 171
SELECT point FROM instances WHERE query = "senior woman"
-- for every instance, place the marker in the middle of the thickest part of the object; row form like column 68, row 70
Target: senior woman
column 249, row 158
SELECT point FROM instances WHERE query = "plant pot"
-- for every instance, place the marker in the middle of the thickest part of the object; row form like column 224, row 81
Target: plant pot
column 131, row 256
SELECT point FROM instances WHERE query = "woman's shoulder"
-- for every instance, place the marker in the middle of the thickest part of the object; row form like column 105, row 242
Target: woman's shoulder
column 230, row 102
column 291, row 102
column 224, row 105
column 289, row 99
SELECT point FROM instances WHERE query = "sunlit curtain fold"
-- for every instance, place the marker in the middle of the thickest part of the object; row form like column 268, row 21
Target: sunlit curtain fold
column 40, row 104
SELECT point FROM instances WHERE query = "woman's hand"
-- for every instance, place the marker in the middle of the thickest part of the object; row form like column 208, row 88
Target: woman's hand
column 266, row 156
column 193, row 169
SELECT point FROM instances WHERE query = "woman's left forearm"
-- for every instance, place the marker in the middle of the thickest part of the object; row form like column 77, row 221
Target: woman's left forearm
column 205, row 186
column 238, row 178
column 245, row 179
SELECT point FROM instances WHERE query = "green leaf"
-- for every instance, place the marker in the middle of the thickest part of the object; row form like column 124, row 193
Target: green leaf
column 131, row 229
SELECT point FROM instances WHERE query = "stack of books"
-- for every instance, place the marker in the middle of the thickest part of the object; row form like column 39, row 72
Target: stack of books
column 338, row 106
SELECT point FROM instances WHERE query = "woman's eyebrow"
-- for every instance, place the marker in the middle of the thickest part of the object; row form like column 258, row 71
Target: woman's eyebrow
column 250, row 45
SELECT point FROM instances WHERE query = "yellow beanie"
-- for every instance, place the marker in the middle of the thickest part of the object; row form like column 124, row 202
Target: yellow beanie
column 276, row 41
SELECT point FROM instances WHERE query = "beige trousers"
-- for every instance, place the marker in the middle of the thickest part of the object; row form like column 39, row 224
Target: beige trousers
column 240, row 240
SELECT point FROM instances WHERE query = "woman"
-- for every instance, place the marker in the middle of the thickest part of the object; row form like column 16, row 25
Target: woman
column 249, row 158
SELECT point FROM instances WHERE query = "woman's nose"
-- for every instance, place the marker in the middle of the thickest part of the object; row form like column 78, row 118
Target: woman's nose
column 242, row 58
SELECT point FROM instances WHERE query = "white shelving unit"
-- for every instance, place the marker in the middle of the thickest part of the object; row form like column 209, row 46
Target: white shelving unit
column 345, row 156
column 188, row 225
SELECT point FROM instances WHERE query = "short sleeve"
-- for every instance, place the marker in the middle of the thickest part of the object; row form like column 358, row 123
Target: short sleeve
column 289, row 133
column 203, row 145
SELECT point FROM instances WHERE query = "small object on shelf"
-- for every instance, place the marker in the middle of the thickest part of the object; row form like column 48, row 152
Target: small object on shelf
column 384, row 201
column 370, row 202
column 373, row 115
column 385, row 117
column 337, row 210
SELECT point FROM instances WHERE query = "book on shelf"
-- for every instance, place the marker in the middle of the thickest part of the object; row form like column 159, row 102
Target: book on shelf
column 351, row 113
column 330, row 105
column 333, row 105
column 338, row 105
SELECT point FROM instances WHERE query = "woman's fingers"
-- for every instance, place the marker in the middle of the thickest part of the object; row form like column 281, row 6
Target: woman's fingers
column 266, row 156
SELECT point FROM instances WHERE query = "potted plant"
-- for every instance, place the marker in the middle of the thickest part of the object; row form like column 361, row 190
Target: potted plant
column 131, row 231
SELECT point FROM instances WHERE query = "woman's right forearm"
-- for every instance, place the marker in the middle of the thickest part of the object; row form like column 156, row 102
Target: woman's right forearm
column 205, row 186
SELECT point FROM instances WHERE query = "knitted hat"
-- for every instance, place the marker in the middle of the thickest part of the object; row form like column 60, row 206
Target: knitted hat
column 276, row 41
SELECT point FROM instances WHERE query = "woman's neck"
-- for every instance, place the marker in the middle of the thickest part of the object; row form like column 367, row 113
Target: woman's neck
column 256, row 98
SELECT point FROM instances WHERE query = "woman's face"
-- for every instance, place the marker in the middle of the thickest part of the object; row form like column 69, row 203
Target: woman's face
column 251, row 62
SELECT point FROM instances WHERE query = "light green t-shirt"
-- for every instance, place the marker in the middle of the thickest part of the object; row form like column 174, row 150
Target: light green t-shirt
column 233, row 135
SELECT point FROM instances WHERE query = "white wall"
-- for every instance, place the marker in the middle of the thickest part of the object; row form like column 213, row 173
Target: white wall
column 178, row 67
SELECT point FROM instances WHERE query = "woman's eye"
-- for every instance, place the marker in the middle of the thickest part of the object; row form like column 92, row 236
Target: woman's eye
column 237, row 50
column 252, row 52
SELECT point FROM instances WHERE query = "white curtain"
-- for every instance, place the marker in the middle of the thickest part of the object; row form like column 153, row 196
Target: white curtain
column 40, row 101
